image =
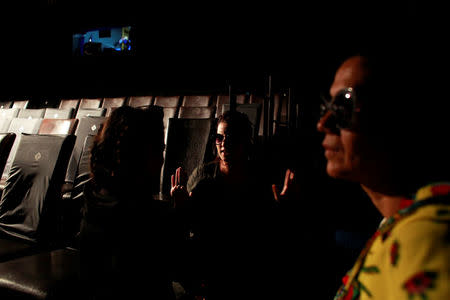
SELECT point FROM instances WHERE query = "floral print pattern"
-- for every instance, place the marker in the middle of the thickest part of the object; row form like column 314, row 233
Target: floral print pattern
column 419, row 283
column 394, row 253
column 361, row 281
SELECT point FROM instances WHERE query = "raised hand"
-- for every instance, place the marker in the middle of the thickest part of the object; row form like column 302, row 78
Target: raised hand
column 178, row 189
column 288, row 189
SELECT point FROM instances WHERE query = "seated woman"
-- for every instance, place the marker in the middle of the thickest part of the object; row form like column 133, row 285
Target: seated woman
column 228, row 205
column 126, row 237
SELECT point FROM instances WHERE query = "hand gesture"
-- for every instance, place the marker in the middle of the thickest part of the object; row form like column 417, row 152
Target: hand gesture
column 288, row 188
column 178, row 189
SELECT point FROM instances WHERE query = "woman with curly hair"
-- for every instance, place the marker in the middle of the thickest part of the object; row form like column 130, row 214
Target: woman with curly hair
column 126, row 236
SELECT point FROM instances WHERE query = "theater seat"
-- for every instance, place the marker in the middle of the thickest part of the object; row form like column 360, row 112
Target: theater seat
column 86, row 126
column 5, row 104
column 90, row 103
column 191, row 112
column 69, row 103
column 20, row 103
column 46, row 275
column 225, row 99
column 73, row 207
column 4, row 124
column 111, row 103
column 9, row 112
column 59, row 113
column 58, row 126
column 19, row 126
column 196, row 100
column 31, row 113
column 84, row 164
column 29, row 206
column 169, row 112
column 93, row 112
column 188, row 144
column 6, row 143
column 139, row 101
column 167, row 101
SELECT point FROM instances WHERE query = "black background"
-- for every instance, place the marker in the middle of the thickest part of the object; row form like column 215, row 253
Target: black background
column 189, row 46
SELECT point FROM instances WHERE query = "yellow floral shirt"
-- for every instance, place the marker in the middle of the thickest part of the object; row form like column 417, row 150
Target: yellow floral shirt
column 409, row 255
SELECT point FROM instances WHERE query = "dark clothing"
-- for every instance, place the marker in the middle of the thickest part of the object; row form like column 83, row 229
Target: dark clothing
column 232, row 228
column 125, row 246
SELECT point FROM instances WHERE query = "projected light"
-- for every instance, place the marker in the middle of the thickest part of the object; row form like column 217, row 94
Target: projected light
column 103, row 41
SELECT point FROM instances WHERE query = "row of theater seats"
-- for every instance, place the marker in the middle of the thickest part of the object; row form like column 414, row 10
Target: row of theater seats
column 45, row 158
column 37, row 120
column 178, row 106
column 39, row 257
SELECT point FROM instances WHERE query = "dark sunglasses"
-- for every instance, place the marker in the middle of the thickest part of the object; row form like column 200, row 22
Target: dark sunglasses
column 221, row 137
column 342, row 108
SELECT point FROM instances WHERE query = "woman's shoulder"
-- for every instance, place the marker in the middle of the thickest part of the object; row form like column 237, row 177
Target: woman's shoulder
column 202, row 172
column 206, row 169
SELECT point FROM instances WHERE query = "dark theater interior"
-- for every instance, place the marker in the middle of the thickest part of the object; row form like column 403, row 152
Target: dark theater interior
column 67, row 65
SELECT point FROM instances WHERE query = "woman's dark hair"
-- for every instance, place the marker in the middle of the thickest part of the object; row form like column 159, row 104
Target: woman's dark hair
column 239, row 126
column 120, row 144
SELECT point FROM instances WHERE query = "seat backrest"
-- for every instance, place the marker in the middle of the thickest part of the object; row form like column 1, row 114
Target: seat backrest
column 6, row 143
column 84, row 167
column 222, row 99
column 5, row 104
column 31, row 113
column 58, row 126
column 22, row 125
column 201, row 112
column 84, row 164
column 6, row 116
column 9, row 112
column 20, row 103
column 90, row 112
column 196, row 100
column 59, row 113
column 86, row 126
column 28, row 206
column 90, row 103
column 167, row 101
column 19, row 126
column 137, row 101
column 69, row 103
column 113, row 101
column 259, row 99
column 109, row 111
column 4, row 124
column 169, row 112
column 76, row 194
column 187, row 146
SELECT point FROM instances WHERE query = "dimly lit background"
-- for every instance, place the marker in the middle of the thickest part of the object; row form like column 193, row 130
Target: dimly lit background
column 188, row 46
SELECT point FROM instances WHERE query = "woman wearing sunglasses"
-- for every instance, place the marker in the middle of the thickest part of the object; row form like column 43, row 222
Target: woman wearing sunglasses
column 380, row 132
column 228, row 213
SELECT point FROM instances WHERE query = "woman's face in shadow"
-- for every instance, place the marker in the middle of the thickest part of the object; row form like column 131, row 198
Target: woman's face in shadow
column 231, row 148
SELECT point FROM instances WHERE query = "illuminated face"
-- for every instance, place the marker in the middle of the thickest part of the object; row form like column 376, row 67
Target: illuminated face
column 345, row 149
